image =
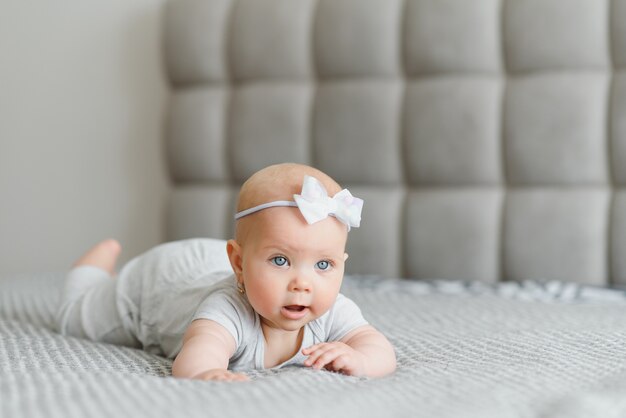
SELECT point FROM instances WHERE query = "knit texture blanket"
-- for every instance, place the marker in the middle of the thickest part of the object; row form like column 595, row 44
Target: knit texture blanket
column 464, row 350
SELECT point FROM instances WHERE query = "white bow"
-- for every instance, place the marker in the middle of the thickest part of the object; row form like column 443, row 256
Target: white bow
column 315, row 204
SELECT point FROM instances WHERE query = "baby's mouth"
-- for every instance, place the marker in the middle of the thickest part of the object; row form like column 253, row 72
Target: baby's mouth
column 295, row 308
column 294, row 312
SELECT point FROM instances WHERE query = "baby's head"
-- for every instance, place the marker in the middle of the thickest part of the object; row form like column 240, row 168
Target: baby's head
column 275, row 183
column 290, row 270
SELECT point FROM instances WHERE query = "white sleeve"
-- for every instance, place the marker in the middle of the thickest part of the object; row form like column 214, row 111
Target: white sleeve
column 228, row 311
column 343, row 317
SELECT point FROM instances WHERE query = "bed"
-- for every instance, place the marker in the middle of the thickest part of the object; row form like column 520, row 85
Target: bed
column 488, row 140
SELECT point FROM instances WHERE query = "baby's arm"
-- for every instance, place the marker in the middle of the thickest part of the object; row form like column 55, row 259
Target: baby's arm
column 362, row 352
column 207, row 347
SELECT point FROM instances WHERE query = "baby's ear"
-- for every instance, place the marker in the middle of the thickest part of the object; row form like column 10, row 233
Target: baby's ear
column 234, row 255
column 345, row 256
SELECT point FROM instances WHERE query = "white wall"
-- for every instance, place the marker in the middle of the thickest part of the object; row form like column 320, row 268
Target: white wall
column 82, row 100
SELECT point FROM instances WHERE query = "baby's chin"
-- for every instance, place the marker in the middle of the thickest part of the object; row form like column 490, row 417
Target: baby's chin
column 292, row 323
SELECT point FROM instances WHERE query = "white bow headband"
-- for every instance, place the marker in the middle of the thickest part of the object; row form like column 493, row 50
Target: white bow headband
column 315, row 204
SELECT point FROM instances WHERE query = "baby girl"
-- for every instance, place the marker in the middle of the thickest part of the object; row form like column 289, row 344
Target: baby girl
column 268, row 298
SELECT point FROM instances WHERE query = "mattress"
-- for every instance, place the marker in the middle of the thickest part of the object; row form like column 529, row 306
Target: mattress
column 465, row 349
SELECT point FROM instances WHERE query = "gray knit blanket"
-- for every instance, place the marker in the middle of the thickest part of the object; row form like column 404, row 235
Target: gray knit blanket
column 464, row 350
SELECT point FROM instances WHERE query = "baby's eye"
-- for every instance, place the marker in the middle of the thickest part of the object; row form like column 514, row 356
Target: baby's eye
column 279, row 260
column 322, row 265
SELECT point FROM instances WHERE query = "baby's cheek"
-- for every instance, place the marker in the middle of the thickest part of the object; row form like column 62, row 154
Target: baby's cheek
column 259, row 298
column 323, row 303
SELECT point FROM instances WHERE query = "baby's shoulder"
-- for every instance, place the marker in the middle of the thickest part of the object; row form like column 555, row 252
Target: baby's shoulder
column 223, row 292
column 224, row 300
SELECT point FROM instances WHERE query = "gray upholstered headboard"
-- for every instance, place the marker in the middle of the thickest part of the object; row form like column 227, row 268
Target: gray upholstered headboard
column 487, row 137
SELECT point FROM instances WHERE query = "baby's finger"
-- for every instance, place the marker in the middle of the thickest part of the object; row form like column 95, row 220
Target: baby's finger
column 239, row 377
column 327, row 357
column 236, row 376
column 339, row 363
column 312, row 348
column 230, row 377
column 315, row 354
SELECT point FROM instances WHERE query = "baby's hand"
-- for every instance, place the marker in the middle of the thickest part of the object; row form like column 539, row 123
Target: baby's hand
column 223, row 375
column 335, row 356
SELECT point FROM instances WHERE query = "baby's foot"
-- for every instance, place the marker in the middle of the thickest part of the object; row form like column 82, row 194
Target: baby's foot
column 103, row 255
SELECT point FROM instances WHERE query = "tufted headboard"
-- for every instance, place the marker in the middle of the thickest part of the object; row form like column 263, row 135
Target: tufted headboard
column 487, row 137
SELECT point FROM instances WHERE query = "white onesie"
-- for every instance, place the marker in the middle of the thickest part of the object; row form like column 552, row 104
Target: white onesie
column 157, row 295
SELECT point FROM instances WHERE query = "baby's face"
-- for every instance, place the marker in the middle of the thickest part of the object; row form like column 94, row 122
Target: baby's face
column 292, row 271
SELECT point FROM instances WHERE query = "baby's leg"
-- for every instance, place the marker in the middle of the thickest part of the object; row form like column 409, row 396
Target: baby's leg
column 103, row 255
column 89, row 304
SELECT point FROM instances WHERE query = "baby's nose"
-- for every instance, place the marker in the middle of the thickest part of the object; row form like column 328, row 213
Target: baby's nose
column 300, row 283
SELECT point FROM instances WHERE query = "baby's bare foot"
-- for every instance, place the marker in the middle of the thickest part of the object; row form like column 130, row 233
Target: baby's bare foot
column 103, row 255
